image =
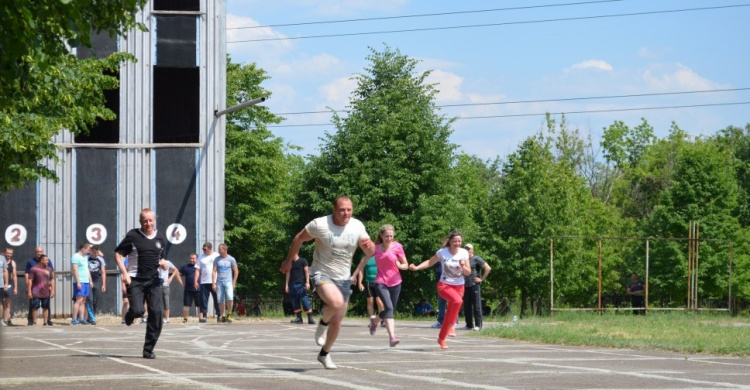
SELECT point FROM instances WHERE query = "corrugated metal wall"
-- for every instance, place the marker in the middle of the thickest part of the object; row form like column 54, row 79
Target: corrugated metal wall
column 136, row 162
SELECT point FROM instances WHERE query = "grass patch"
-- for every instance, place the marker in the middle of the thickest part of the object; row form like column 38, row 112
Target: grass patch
column 674, row 332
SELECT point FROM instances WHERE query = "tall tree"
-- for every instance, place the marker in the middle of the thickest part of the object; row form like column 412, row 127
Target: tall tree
column 259, row 168
column 391, row 153
column 704, row 189
column 43, row 88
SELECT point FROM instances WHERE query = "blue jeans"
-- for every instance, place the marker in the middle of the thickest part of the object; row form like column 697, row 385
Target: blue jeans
column 297, row 294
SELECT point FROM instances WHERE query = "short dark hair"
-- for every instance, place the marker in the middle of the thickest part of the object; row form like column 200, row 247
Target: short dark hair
column 341, row 197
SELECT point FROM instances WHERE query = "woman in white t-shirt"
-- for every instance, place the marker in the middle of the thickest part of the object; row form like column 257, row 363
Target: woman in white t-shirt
column 455, row 264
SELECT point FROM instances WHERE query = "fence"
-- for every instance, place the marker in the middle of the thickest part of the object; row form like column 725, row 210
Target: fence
column 692, row 276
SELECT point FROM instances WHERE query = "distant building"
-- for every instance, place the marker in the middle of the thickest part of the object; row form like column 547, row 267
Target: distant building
column 165, row 151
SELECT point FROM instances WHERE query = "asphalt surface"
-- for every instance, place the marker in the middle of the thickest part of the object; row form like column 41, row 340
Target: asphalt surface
column 280, row 355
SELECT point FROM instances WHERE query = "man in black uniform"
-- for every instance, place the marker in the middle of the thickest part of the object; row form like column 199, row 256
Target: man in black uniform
column 143, row 247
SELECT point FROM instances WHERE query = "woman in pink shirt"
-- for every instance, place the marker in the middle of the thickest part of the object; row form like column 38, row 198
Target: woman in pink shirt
column 455, row 264
column 390, row 258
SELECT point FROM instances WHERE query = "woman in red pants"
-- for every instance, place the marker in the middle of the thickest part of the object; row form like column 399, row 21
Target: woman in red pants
column 455, row 264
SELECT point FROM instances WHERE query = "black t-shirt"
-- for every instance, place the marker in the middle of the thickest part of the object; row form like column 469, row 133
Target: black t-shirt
column 297, row 272
column 95, row 268
column 143, row 253
column 188, row 273
column 636, row 286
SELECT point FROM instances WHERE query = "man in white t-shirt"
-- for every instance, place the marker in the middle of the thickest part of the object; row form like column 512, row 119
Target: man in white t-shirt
column 337, row 237
column 206, row 264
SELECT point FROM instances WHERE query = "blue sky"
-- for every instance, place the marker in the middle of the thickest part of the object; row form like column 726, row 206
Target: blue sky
column 528, row 57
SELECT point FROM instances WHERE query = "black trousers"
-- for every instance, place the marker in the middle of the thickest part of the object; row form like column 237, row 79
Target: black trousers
column 473, row 306
column 93, row 298
column 638, row 301
column 149, row 291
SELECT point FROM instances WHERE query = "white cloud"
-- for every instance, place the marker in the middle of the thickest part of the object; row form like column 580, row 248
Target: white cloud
column 314, row 66
column 448, row 85
column 336, row 93
column 676, row 77
column 593, row 64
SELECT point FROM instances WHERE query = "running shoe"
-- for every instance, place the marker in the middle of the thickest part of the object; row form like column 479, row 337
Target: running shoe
column 321, row 334
column 394, row 342
column 452, row 333
column 373, row 325
column 229, row 318
column 443, row 344
column 297, row 321
column 74, row 321
column 327, row 362
column 436, row 325
column 311, row 321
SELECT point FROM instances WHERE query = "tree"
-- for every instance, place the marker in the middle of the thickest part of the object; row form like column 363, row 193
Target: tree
column 391, row 154
column 704, row 189
column 43, row 88
column 258, row 185
column 542, row 196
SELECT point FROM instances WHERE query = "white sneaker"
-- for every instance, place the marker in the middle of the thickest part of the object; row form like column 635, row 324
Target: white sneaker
column 436, row 325
column 327, row 362
column 2, row 323
column 476, row 329
column 321, row 334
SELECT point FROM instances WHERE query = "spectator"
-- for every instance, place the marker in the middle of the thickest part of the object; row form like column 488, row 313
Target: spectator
column 297, row 285
column 636, row 292
column 81, row 287
column 423, row 308
column 98, row 272
column 473, row 290
column 192, row 292
column 41, row 288
column 164, row 268
column 12, row 282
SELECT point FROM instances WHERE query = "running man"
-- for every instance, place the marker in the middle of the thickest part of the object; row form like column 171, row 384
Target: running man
column 336, row 239
column 144, row 248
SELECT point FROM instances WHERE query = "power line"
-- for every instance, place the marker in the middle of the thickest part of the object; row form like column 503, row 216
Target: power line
column 496, row 24
column 424, row 15
column 559, row 113
column 550, row 100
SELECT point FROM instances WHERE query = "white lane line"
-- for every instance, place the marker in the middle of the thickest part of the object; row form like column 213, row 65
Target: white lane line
column 264, row 372
column 164, row 376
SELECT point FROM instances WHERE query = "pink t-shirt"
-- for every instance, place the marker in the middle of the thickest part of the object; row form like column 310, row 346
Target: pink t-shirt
column 388, row 272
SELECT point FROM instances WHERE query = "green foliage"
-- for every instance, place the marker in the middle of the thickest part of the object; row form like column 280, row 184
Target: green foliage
column 258, row 173
column 43, row 88
column 67, row 97
column 391, row 154
column 703, row 190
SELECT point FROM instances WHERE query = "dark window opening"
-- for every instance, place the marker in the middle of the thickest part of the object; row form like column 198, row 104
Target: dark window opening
column 105, row 131
column 176, row 102
column 176, row 41
column 102, row 45
column 177, row 5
